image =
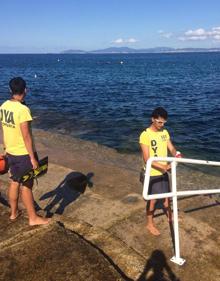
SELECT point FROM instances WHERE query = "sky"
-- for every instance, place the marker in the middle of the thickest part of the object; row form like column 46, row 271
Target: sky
column 39, row 26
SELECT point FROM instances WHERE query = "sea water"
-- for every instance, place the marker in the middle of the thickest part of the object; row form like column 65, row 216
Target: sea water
column 108, row 98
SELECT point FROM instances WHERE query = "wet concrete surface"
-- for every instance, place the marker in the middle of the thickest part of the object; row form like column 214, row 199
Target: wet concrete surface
column 113, row 211
column 52, row 253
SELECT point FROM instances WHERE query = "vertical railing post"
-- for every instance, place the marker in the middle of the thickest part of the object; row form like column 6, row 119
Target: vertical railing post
column 177, row 259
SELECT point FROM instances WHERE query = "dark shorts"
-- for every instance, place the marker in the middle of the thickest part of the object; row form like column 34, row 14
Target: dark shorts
column 159, row 184
column 19, row 165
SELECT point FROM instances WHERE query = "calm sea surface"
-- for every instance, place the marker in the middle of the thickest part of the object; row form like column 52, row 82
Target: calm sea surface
column 109, row 98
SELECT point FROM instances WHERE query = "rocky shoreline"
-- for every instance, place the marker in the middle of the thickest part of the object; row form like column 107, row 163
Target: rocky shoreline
column 111, row 212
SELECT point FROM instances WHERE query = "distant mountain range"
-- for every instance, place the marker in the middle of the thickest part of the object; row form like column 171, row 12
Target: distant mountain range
column 126, row 50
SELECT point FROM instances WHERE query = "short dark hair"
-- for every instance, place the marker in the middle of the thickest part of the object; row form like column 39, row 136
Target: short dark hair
column 159, row 112
column 17, row 85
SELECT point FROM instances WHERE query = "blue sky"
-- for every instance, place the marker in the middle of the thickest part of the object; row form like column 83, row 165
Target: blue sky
column 56, row 25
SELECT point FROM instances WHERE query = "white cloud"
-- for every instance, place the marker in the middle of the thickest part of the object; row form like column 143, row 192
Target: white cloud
column 197, row 32
column 168, row 35
column 118, row 41
column 122, row 41
column 192, row 38
column 201, row 34
column 217, row 37
column 131, row 40
column 165, row 34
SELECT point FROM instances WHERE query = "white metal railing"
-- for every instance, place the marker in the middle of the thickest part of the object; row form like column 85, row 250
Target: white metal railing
column 174, row 193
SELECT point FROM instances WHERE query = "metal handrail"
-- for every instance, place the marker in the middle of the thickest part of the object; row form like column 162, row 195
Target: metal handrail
column 174, row 193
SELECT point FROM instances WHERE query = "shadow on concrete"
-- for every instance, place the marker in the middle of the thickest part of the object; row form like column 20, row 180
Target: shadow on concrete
column 217, row 203
column 37, row 207
column 3, row 201
column 157, row 269
column 106, row 257
column 73, row 185
column 215, row 197
column 172, row 234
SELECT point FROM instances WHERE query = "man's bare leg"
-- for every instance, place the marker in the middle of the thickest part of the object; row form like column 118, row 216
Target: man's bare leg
column 28, row 200
column 13, row 193
column 150, row 223
column 167, row 210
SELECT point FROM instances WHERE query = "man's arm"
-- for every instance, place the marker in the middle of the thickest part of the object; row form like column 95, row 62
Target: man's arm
column 156, row 165
column 26, row 134
column 171, row 148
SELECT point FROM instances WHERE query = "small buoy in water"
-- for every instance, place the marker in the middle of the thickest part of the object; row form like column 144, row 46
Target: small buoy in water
column 58, row 60
column 35, row 75
column 121, row 62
